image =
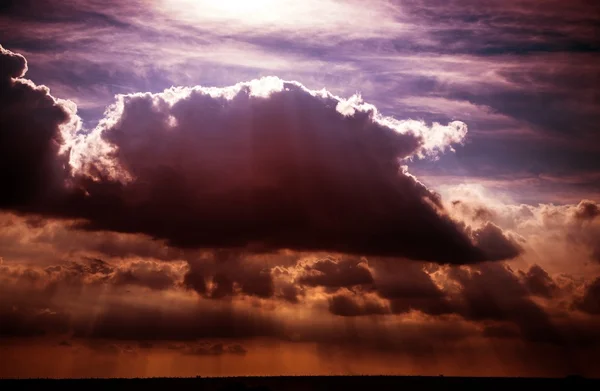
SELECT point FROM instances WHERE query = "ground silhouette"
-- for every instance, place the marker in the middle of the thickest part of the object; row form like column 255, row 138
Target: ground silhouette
column 292, row 383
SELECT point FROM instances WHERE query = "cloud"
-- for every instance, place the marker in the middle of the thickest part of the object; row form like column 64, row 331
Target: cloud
column 335, row 273
column 262, row 165
column 154, row 182
column 494, row 292
column 347, row 305
column 34, row 126
column 95, row 272
column 495, row 244
column 538, row 282
column 147, row 274
column 274, row 165
column 409, row 287
column 12, row 65
column 590, row 301
column 229, row 273
column 266, row 18
column 587, row 210
column 410, row 308
column 36, row 239
column 546, row 233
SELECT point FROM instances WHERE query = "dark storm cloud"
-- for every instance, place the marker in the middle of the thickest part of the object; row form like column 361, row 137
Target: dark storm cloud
column 287, row 170
column 274, row 165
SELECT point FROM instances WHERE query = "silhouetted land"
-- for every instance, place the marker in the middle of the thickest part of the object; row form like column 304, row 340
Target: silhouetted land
column 343, row 383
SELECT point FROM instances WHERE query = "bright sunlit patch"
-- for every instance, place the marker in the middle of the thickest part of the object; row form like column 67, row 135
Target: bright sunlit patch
column 250, row 11
column 242, row 6
column 263, row 16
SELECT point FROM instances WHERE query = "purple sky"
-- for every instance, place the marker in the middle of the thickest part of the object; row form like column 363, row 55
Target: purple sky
column 521, row 74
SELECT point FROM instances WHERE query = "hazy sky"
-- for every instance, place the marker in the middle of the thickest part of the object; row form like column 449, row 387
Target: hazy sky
column 299, row 187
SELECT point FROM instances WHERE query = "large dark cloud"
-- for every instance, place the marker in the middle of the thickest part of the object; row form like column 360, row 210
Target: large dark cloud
column 263, row 165
column 286, row 170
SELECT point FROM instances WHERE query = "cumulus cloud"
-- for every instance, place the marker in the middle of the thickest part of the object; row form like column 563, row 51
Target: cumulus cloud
column 261, row 165
column 267, row 164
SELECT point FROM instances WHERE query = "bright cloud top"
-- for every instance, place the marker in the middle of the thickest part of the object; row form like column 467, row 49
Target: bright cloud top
column 432, row 140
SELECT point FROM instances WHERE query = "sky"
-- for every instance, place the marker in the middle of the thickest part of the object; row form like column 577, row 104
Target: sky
column 274, row 187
